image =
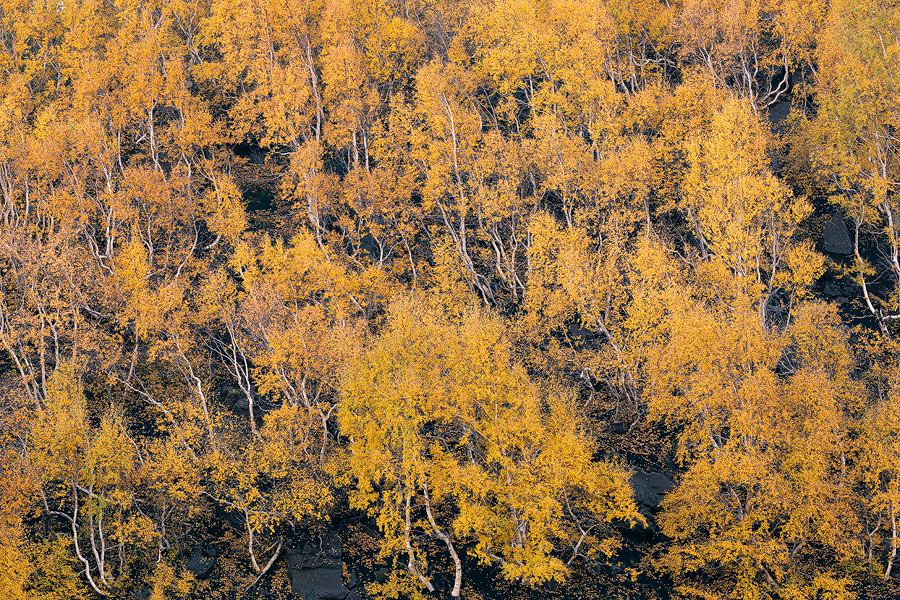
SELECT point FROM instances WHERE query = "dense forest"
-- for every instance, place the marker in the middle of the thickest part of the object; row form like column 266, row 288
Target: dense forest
column 432, row 298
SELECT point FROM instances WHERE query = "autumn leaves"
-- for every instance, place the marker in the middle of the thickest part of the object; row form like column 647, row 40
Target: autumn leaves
column 437, row 411
column 495, row 227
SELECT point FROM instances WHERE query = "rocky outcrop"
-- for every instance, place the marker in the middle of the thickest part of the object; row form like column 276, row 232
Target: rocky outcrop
column 649, row 491
column 838, row 292
column 651, row 488
column 315, row 570
column 836, row 237
column 201, row 562
column 231, row 516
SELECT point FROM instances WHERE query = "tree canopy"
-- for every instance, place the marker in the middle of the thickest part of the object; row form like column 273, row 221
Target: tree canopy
column 456, row 272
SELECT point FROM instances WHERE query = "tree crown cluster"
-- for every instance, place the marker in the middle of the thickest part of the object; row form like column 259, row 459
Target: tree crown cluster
column 412, row 260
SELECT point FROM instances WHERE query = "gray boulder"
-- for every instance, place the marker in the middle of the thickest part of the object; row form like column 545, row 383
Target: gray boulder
column 836, row 236
column 650, row 488
column 833, row 290
column 142, row 593
column 640, row 530
column 231, row 516
column 315, row 570
column 201, row 562
column 606, row 568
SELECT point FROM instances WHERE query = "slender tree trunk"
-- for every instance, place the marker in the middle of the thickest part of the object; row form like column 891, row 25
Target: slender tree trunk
column 411, row 565
column 457, row 581
column 893, row 555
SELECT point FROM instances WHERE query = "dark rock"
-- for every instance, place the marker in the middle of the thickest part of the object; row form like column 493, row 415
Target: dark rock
column 234, row 398
column 838, row 292
column 650, row 488
column 229, row 395
column 143, row 592
column 606, row 569
column 231, row 516
column 201, row 562
column 836, row 236
column 442, row 581
column 381, row 574
column 832, row 290
column 638, row 529
column 371, row 530
column 315, row 571
column 778, row 113
column 354, row 578
column 649, row 491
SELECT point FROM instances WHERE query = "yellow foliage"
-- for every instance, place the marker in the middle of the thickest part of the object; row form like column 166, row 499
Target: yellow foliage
column 438, row 410
column 320, row 209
